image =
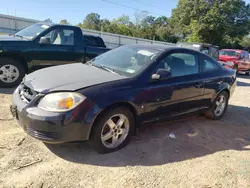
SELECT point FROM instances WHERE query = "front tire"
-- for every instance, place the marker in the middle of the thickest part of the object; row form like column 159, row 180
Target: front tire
column 236, row 68
column 219, row 106
column 11, row 72
column 113, row 130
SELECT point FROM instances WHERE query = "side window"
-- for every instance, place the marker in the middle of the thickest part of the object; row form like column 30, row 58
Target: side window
column 247, row 55
column 60, row 37
column 215, row 53
column 242, row 55
column 181, row 64
column 205, row 50
column 208, row 65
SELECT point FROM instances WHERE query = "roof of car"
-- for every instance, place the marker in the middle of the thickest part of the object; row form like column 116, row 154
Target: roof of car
column 236, row 50
column 204, row 44
column 161, row 46
column 55, row 24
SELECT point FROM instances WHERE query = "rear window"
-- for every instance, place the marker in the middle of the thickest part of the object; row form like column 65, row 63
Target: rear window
column 93, row 41
column 229, row 53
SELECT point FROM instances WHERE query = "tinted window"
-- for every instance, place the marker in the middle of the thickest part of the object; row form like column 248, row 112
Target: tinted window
column 214, row 53
column 208, row 65
column 229, row 53
column 181, row 64
column 246, row 55
column 93, row 41
column 33, row 30
column 205, row 50
column 61, row 37
column 242, row 55
column 127, row 60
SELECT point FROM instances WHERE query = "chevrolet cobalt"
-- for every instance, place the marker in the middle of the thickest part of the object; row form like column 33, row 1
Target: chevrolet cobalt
column 106, row 99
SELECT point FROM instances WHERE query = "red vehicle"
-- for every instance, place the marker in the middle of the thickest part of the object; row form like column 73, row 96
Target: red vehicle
column 235, row 59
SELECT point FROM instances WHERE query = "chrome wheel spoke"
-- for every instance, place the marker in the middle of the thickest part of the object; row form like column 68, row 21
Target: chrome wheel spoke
column 111, row 123
column 114, row 140
column 9, row 79
column 107, row 136
column 221, row 99
column 9, row 73
column 3, row 68
column 220, row 105
column 120, row 121
column 115, row 131
column 123, row 131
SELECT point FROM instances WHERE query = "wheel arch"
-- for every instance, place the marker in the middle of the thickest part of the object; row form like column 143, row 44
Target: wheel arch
column 17, row 57
column 221, row 90
column 127, row 105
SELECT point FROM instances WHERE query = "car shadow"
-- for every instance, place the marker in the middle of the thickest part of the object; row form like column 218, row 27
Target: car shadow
column 243, row 75
column 243, row 84
column 7, row 90
column 195, row 137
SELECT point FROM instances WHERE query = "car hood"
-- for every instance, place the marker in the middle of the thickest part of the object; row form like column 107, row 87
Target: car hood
column 10, row 38
column 68, row 78
column 227, row 58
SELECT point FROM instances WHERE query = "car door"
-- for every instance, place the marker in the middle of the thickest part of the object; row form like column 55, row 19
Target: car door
column 211, row 75
column 60, row 49
column 245, row 63
column 179, row 94
column 241, row 61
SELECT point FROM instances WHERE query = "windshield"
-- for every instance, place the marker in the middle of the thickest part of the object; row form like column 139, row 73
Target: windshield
column 229, row 53
column 32, row 31
column 127, row 60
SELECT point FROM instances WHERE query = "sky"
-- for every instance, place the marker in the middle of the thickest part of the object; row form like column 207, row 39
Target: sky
column 76, row 10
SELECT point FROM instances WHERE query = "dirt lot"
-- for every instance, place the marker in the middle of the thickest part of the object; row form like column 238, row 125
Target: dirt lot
column 204, row 154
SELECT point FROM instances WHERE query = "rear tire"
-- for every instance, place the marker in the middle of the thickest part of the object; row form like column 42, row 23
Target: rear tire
column 248, row 73
column 108, row 137
column 11, row 72
column 219, row 106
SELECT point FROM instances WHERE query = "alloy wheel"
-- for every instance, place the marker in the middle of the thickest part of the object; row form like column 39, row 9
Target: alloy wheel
column 220, row 105
column 115, row 131
column 9, row 73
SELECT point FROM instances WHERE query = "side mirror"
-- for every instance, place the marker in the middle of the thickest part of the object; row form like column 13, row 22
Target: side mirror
column 161, row 74
column 44, row 40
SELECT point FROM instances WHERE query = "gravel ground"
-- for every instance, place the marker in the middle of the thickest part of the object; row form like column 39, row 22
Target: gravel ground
column 204, row 154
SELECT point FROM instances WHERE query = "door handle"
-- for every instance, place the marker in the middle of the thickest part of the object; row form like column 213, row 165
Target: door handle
column 71, row 50
column 198, row 84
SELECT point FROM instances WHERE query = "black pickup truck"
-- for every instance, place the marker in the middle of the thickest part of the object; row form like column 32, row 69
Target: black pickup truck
column 208, row 49
column 44, row 44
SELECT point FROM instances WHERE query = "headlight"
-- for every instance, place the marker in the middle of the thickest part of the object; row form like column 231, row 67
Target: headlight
column 61, row 102
column 230, row 63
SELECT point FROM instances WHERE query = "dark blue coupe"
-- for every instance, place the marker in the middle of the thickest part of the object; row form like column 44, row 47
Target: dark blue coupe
column 107, row 98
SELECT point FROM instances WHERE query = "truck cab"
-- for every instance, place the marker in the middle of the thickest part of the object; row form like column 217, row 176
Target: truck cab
column 208, row 49
column 44, row 44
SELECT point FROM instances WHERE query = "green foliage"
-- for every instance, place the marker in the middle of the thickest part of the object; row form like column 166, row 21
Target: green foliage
column 245, row 42
column 65, row 22
column 219, row 22
column 212, row 21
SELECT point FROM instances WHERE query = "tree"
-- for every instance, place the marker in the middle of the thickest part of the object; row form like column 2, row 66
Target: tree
column 65, row 22
column 212, row 21
column 139, row 16
column 245, row 42
column 124, row 20
column 91, row 21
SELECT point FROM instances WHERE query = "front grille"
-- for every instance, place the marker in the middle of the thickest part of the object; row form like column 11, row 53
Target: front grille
column 26, row 93
column 42, row 134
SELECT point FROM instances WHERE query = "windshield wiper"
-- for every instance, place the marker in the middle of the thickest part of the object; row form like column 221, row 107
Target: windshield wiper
column 20, row 36
column 100, row 67
column 108, row 69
